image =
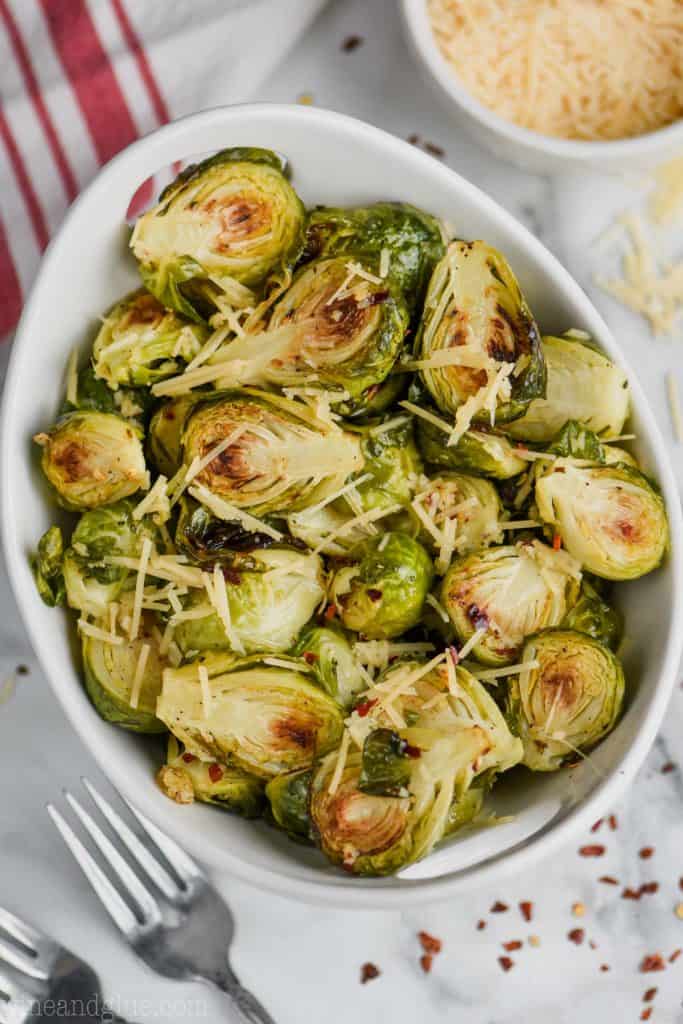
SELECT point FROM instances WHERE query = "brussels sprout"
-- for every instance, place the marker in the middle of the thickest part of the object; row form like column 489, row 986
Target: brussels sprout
column 582, row 385
column 184, row 778
column 140, row 342
column 346, row 330
column 233, row 219
column 476, row 316
column 576, row 441
column 110, row 673
column 610, row 518
column 503, row 594
column 92, row 458
column 594, row 616
column 165, row 435
column 478, row 451
column 207, row 539
column 569, row 702
column 277, row 462
column 411, row 238
column 465, row 809
column 47, row 567
column 268, row 608
column 376, row 400
column 471, row 504
column 289, row 796
column 263, row 718
column 383, row 593
column 328, row 652
column 91, row 583
column 612, row 454
column 378, row 835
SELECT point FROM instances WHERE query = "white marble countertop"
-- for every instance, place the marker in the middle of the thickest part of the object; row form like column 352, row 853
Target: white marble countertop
column 304, row 963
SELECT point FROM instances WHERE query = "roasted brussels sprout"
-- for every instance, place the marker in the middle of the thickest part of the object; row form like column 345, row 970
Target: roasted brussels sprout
column 184, row 778
column 165, row 435
column 91, row 582
column 268, row 607
column 582, row 385
column 95, row 395
column 610, row 518
column 110, row 671
column 411, row 239
column 576, row 441
column 276, row 462
column 92, row 458
column 382, row 594
column 289, row 796
column 47, row 567
column 593, row 615
column 232, row 220
column 328, row 652
column 459, row 512
column 140, row 342
column 478, row 451
column 263, row 718
column 503, row 594
column 208, row 539
column 569, row 702
column 346, row 324
column 477, row 333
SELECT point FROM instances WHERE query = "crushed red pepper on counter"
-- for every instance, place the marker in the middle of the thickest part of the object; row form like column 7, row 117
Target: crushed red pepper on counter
column 596, row 825
column 506, row 962
column 608, row 880
column 670, row 766
column 604, row 967
column 430, row 943
column 646, row 852
column 649, row 994
column 675, row 955
column 499, row 907
column 351, row 43
column 426, row 962
column 512, row 945
column 646, row 1014
column 576, row 935
column 613, row 823
column 369, row 972
column 652, row 962
column 481, row 925
column 526, row 908
column 594, row 850
column 435, row 150
column 649, row 887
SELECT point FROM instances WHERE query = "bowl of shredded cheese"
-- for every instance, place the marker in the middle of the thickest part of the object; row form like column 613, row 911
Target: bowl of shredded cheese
column 552, row 84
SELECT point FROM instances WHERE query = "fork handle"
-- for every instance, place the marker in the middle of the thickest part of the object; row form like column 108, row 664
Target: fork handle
column 249, row 1009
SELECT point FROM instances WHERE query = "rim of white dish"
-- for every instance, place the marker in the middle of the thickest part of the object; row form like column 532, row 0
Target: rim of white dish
column 340, row 891
column 417, row 22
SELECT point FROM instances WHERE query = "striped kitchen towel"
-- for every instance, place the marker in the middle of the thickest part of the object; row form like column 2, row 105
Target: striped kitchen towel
column 81, row 79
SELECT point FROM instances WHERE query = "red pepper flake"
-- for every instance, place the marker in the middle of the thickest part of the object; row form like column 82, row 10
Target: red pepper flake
column 189, row 758
column 506, row 962
column 414, row 139
column 477, row 617
column 649, row 887
column 557, row 542
column 526, row 908
column 594, row 850
column 576, row 935
column 670, row 766
column 481, row 925
column 410, row 751
column 330, row 611
column 454, row 653
column 597, row 824
column 499, row 908
column 646, row 852
column 649, row 995
column 365, row 707
column 652, row 962
column 604, row 967
column 215, row 772
column 613, row 823
column 374, row 594
column 429, row 943
column 680, row 883
column 675, row 955
column 426, row 962
column 351, row 43
column 511, row 946
column 608, row 880
column 646, row 1014
column 630, row 894
column 310, row 658
column 369, row 972
column 435, row 150
column 593, row 945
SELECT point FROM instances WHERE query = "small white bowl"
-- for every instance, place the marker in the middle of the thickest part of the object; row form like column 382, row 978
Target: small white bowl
column 529, row 150
column 334, row 159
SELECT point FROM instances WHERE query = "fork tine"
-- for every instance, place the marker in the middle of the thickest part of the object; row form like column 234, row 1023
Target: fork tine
column 24, row 933
column 144, row 899
column 120, row 911
column 182, row 864
column 23, row 962
column 154, row 871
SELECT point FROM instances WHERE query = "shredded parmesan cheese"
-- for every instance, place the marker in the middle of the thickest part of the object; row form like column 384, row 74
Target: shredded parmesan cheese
column 229, row 512
column 438, row 608
column 139, row 674
column 203, row 674
column 139, row 588
column 341, row 763
column 155, row 502
column 429, row 417
column 507, row 670
column 472, row 642
column 72, row 377
column 391, row 424
column 98, row 634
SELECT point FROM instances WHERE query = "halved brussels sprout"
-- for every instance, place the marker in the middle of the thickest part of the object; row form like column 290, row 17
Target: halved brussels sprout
column 289, row 796
column 208, row 539
column 91, row 583
column 110, row 670
column 567, row 704
column 277, row 461
column 184, row 778
column 377, row 835
column 327, row 650
column 95, row 395
column 411, row 238
column 610, row 518
column 382, row 594
column 506, row 593
column 92, row 458
column 231, row 220
column 476, row 322
column 47, row 567
column 478, row 452
column 465, row 809
column 263, row 718
column 582, row 385
column 470, row 503
column 140, row 342
column 593, row 615
column 268, row 607
column 165, row 435
column 346, row 328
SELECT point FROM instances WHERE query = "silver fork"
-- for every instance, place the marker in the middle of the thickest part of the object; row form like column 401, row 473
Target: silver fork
column 179, row 925
column 41, row 975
